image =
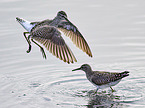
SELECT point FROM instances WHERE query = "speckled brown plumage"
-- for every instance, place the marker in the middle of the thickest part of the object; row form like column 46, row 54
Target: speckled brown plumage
column 51, row 38
column 47, row 33
column 102, row 79
column 62, row 23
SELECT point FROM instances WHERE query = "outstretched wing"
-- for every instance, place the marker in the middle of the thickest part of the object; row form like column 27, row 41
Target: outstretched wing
column 51, row 38
column 71, row 31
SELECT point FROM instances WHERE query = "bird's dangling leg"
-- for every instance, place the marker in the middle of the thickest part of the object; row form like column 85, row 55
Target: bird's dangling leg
column 28, row 40
column 29, row 44
column 41, row 49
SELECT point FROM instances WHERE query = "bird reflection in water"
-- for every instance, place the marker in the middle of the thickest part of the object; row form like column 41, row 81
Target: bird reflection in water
column 101, row 99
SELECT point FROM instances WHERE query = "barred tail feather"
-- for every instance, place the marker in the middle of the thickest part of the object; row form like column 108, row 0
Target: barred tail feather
column 26, row 24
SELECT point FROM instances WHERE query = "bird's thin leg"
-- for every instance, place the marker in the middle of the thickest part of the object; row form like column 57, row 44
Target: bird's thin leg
column 28, row 40
column 112, row 89
column 29, row 44
column 41, row 49
column 96, row 91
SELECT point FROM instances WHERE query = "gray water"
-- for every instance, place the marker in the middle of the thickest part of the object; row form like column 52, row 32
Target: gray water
column 115, row 32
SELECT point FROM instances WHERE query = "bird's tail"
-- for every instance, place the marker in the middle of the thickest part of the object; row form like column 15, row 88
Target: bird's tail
column 26, row 24
column 125, row 73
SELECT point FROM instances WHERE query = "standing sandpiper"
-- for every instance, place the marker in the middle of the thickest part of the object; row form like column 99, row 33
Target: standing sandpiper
column 102, row 79
column 47, row 33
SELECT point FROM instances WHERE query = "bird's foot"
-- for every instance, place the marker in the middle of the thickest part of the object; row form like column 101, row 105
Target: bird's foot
column 29, row 49
column 94, row 93
column 112, row 90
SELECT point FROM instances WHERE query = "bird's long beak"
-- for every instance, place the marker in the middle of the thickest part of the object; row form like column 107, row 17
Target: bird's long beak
column 76, row 69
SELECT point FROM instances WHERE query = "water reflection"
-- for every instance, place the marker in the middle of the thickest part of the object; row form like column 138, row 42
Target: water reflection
column 101, row 99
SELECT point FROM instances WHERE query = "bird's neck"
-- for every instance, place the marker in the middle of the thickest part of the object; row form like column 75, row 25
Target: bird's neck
column 89, row 73
column 55, row 21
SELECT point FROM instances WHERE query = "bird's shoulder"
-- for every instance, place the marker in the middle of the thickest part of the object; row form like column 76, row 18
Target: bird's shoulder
column 40, row 24
column 101, row 73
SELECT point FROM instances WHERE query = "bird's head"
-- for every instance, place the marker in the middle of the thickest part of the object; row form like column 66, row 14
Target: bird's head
column 84, row 67
column 62, row 14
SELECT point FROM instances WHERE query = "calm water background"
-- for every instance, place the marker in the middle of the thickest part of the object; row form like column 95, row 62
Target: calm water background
column 115, row 31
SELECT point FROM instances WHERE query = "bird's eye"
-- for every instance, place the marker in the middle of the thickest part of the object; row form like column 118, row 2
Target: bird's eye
column 83, row 67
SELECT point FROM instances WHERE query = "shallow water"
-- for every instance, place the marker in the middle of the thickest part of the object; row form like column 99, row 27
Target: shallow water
column 115, row 31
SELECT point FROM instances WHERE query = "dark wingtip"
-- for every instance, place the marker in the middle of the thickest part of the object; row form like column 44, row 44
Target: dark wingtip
column 89, row 54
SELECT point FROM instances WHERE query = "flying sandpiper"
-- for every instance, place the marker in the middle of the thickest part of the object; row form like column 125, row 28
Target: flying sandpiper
column 47, row 33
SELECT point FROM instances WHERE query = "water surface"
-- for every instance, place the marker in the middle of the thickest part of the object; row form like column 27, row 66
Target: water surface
column 115, row 31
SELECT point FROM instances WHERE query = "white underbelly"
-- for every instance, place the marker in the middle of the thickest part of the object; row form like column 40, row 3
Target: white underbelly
column 107, row 85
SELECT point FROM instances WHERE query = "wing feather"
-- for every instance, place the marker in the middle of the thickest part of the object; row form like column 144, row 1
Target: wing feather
column 71, row 31
column 51, row 38
column 106, row 77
